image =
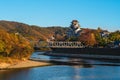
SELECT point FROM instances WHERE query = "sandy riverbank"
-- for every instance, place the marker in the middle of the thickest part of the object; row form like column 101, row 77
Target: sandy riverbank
column 23, row 64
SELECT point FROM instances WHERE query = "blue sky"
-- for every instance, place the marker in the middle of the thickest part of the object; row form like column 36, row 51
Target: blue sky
column 90, row 13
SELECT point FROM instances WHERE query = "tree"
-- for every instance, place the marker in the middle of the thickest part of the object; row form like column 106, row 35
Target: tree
column 88, row 38
column 12, row 45
column 92, row 40
column 115, row 36
column 99, row 29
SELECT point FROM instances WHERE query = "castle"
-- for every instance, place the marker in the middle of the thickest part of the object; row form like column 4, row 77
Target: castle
column 74, row 29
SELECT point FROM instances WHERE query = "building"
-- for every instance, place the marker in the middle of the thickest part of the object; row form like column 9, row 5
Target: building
column 74, row 29
column 104, row 33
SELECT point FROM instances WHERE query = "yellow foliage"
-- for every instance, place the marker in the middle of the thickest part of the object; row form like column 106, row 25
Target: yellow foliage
column 14, row 45
column 92, row 40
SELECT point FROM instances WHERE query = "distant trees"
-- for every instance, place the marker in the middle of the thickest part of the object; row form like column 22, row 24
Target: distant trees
column 8, row 39
column 59, row 35
column 93, row 38
column 114, row 36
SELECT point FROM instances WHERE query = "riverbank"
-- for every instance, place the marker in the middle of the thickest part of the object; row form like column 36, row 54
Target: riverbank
column 23, row 64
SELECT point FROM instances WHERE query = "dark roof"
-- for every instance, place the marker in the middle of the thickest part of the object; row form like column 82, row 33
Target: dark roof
column 74, row 21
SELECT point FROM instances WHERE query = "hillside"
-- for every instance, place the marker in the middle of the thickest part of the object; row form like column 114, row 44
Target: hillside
column 30, row 32
column 36, row 33
column 11, row 45
column 15, row 37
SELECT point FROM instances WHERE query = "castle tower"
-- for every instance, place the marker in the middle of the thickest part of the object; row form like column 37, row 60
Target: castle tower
column 74, row 29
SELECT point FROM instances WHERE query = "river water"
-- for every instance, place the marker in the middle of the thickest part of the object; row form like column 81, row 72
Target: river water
column 75, row 69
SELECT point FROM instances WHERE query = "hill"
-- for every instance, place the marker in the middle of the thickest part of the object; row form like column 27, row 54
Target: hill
column 36, row 33
column 15, row 38
column 31, row 32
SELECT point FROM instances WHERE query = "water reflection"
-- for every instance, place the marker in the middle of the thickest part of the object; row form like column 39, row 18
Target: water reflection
column 63, row 72
column 73, row 61
column 82, row 69
column 14, row 74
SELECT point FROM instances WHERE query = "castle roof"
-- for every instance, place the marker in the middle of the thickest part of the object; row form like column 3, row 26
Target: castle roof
column 74, row 21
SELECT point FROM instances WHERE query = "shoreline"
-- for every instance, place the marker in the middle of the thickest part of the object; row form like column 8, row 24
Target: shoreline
column 23, row 64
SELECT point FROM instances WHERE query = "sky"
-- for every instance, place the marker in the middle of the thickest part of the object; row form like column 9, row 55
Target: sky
column 90, row 13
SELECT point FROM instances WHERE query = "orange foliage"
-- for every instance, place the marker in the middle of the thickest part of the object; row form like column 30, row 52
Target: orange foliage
column 14, row 45
column 88, row 38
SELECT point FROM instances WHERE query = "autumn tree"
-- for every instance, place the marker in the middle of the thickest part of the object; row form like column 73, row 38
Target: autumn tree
column 12, row 45
column 92, row 40
column 88, row 38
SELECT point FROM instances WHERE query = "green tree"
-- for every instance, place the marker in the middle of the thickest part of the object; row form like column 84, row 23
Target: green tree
column 115, row 36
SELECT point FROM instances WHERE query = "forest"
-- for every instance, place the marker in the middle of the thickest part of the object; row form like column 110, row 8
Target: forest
column 92, row 37
column 15, row 37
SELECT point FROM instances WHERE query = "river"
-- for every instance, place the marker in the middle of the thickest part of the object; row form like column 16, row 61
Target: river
column 83, row 69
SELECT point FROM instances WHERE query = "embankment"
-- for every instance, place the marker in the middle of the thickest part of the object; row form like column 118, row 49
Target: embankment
column 23, row 64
